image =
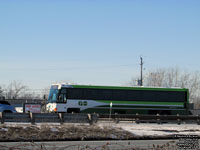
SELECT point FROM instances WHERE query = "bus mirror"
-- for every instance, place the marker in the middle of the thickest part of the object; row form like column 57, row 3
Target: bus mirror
column 45, row 97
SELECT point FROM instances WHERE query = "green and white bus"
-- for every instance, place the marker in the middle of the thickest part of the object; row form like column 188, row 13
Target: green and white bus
column 125, row 100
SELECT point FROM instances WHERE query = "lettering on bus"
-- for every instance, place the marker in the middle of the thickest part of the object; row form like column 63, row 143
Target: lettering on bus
column 82, row 103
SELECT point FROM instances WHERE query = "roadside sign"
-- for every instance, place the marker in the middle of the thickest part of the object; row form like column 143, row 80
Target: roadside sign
column 35, row 108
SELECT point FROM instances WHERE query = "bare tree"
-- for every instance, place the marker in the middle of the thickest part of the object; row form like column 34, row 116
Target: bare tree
column 173, row 77
column 155, row 78
column 18, row 88
column 29, row 94
column 14, row 89
column 1, row 91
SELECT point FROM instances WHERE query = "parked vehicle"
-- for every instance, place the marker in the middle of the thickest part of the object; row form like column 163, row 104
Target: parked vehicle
column 6, row 107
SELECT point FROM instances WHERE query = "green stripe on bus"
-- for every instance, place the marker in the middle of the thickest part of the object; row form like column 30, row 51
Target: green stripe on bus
column 137, row 102
column 131, row 107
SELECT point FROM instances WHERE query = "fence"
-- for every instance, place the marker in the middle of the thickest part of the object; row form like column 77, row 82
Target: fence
column 48, row 118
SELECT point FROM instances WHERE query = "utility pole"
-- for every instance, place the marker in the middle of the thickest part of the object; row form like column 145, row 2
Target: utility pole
column 141, row 77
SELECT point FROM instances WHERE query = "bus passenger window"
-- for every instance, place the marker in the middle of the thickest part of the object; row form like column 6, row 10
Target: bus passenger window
column 62, row 98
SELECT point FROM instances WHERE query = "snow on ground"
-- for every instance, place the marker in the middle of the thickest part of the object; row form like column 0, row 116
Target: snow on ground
column 149, row 129
column 160, row 129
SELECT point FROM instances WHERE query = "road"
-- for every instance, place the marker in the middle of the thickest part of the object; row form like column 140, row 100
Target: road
column 90, row 145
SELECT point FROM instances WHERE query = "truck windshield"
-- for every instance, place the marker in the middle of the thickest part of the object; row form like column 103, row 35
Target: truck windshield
column 53, row 94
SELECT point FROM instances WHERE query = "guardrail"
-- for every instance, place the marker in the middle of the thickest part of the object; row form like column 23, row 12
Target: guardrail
column 153, row 118
column 93, row 118
column 48, row 118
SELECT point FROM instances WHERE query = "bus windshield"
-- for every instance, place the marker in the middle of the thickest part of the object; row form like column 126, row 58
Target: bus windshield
column 53, row 94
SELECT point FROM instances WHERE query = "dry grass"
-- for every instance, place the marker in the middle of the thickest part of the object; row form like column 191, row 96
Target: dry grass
column 64, row 132
column 67, row 132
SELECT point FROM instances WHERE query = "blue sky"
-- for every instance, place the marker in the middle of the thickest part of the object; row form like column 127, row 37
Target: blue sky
column 95, row 42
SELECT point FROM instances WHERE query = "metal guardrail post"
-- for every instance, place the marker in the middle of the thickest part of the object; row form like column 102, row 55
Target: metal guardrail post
column 158, row 119
column 32, row 118
column 137, row 120
column 116, row 119
column 198, row 119
column 90, row 119
column 93, row 118
column 178, row 120
column 2, row 117
column 61, row 118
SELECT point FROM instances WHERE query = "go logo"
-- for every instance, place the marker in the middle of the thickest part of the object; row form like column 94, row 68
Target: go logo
column 82, row 103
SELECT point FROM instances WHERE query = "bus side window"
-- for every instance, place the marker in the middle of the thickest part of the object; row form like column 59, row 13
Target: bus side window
column 62, row 98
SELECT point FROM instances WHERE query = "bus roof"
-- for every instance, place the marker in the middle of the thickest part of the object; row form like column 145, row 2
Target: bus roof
column 121, row 87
